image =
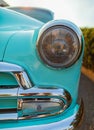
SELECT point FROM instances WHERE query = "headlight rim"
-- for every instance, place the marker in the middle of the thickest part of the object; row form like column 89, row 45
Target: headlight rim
column 66, row 24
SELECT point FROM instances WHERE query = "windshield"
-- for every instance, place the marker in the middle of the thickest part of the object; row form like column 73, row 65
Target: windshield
column 78, row 11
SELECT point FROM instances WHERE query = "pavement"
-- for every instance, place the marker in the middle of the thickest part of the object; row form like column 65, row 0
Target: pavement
column 86, row 91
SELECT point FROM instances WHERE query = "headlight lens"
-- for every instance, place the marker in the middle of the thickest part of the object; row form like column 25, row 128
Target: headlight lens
column 59, row 46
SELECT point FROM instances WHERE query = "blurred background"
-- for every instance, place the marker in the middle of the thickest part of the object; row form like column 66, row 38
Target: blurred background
column 80, row 12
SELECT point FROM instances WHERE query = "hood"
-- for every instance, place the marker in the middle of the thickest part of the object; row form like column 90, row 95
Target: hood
column 12, row 22
column 9, row 18
column 41, row 14
column 4, row 38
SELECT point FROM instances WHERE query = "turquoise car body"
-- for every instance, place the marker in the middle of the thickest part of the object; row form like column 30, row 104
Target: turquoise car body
column 18, row 38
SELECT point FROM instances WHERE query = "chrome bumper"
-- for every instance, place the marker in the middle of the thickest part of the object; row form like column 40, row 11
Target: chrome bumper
column 69, row 123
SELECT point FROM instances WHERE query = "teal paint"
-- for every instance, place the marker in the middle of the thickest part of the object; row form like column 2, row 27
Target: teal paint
column 18, row 45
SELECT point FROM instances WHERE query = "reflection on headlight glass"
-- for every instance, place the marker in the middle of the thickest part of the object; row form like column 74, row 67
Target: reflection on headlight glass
column 59, row 46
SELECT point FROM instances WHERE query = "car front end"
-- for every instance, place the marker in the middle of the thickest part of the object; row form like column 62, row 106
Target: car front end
column 40, row 67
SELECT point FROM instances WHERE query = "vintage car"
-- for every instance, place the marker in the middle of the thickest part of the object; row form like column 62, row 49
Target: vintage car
column 40, row 66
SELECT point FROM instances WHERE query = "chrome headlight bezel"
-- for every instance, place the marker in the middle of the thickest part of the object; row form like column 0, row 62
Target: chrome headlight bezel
column 57, row 24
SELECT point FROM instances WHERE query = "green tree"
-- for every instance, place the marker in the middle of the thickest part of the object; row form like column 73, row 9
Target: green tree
column 88, row 61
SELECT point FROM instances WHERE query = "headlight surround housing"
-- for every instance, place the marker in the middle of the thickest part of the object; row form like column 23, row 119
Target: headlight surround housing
column 59, row 43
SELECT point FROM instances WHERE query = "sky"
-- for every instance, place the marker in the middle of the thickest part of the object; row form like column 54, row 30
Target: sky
column 81, row 12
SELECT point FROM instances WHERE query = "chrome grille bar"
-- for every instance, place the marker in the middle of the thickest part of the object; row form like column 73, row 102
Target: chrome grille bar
column 8, row 93
column 18, row 72
column 57, row 96
column 8, row 112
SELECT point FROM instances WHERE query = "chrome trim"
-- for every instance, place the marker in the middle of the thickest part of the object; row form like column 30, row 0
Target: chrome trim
column 23, row 80
column 8, row 67
column 79, row 116
column 8, row 93
column 35, row 94
column 18, row 72
column 8, row 113
column 8, row 116
column 69, row 123
column 53, row 94
column 65, row 23
column 62, row 23
column 36, row 113
column 22, row 94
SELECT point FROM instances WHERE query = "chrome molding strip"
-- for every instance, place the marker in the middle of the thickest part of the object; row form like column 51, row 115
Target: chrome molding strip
column 8, row 93
column 9, row 116
column 47, row 94
column 18, row 72
column 8, row 113
column 8, row 67
column 62, row 23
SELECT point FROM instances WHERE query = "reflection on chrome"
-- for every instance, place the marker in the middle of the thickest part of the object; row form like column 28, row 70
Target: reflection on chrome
column 69, row 123
column 35, row 101
column 18, row 72
column 8, row 114
column 41, row 102
column 8, row 96
column 31, row 101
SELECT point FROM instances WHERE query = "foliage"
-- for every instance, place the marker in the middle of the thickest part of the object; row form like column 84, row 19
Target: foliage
column 88, row 61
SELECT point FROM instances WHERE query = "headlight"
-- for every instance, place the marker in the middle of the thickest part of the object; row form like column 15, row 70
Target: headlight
column 59, row 44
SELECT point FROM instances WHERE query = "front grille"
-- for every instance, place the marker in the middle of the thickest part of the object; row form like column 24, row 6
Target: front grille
column 8, row 102
column 25, row 101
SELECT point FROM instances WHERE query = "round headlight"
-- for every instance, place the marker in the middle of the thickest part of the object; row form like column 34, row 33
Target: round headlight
column 59, row 46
